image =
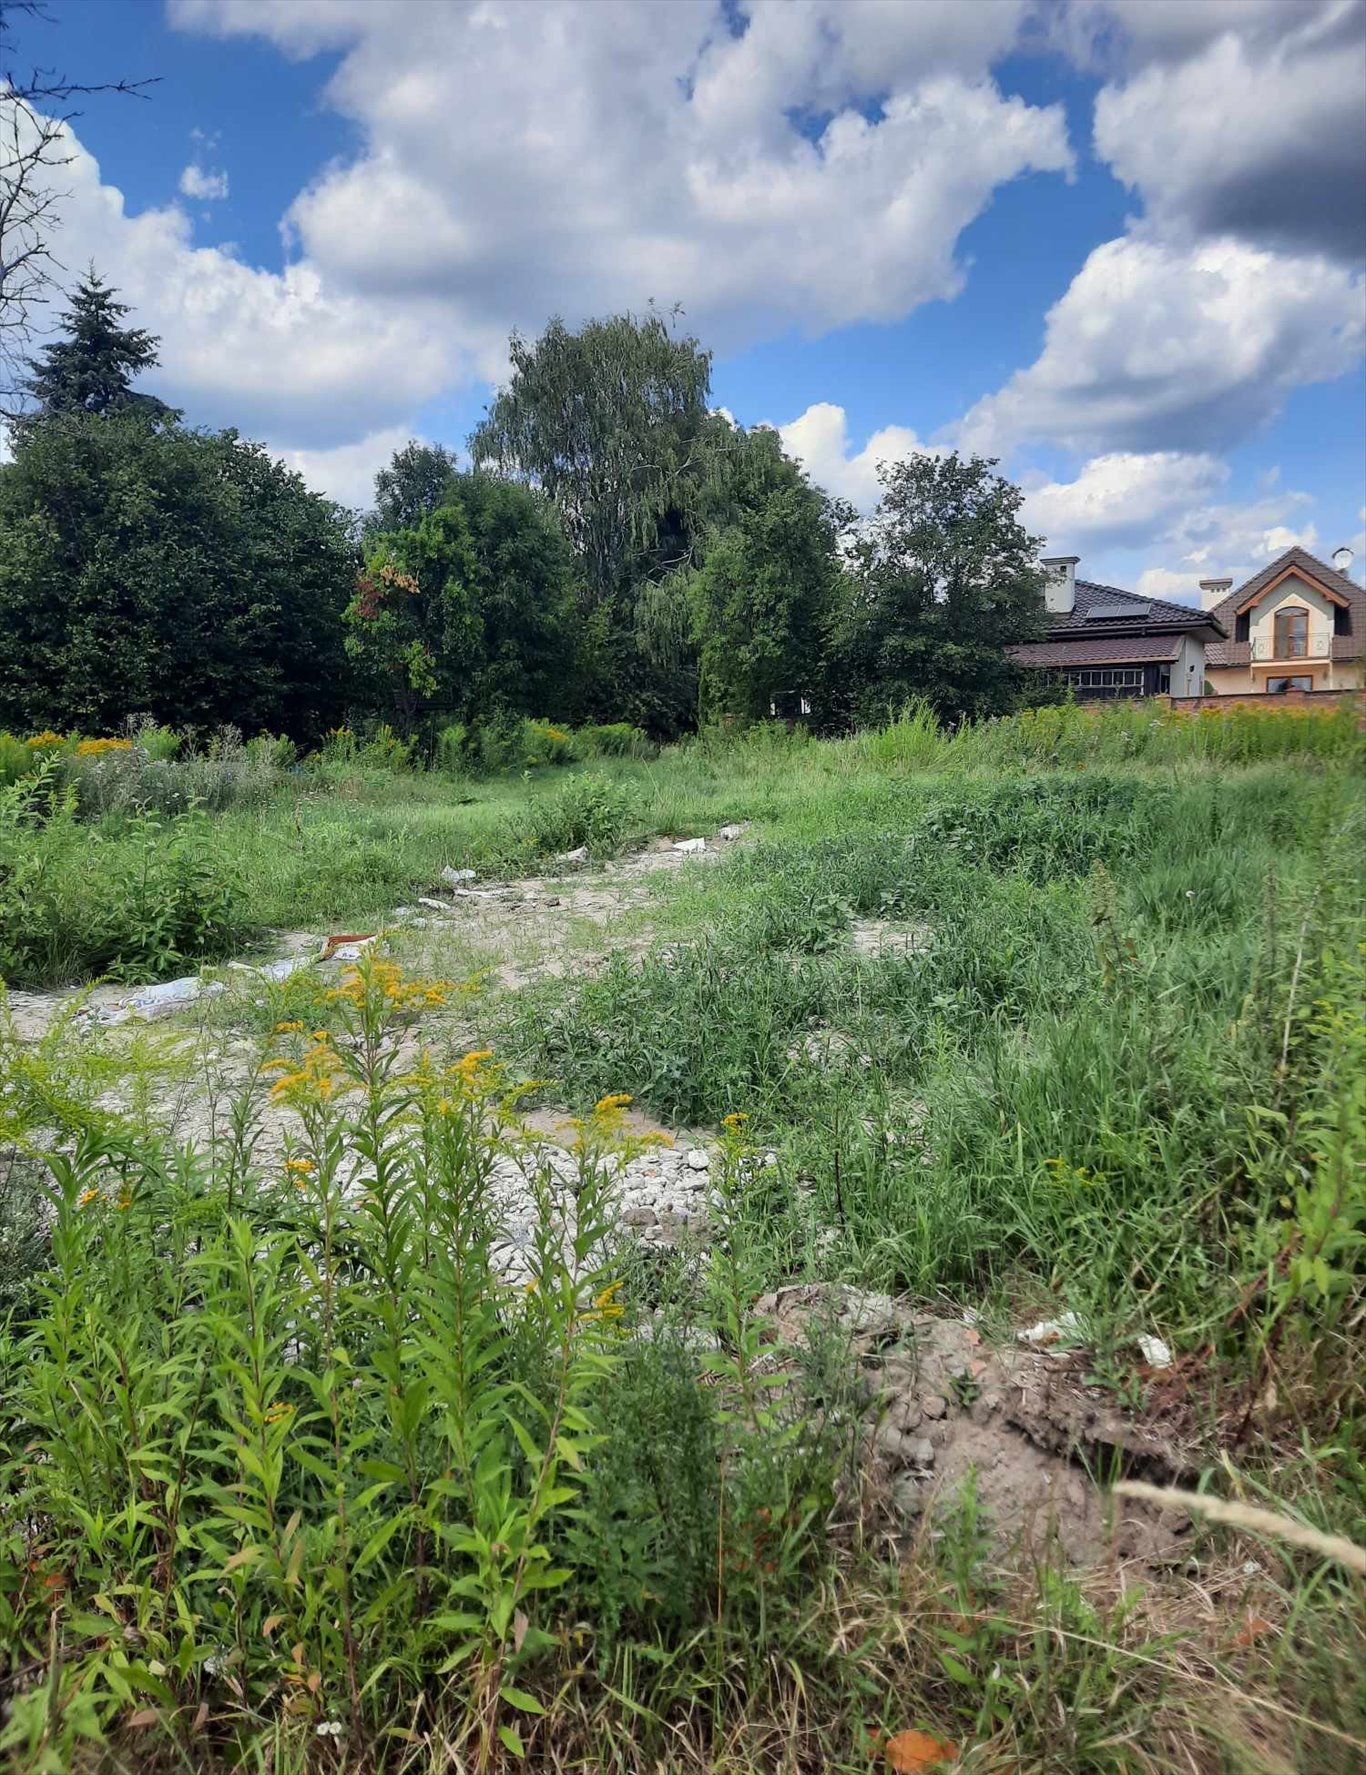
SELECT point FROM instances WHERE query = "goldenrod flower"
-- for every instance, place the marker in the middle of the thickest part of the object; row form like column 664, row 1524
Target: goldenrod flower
column 98, row 748
column 288, row 1028
column 277, row 1412
column 88, row 1196
column 606, row 1304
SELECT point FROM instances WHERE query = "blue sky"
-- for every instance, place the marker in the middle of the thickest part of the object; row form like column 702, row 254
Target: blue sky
column 1115, row 243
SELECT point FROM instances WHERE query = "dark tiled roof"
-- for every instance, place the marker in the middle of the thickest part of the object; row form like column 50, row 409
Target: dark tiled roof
column 1100, row 650
column 1125, row 614
column 1236, row 653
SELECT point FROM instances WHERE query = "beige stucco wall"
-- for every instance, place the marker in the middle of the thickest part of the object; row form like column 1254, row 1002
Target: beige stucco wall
column 1326, row 674
column 1294, row 592
column 1229, row 680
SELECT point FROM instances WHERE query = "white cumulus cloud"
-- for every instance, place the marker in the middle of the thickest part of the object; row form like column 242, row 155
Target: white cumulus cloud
column 819, row 440
column 347, row 472
column 1267, row 143
column 197, row 182
column 1155, row 346
column 278, row 354
column 1121, row 499
column 812, row 169
column 1228, row 540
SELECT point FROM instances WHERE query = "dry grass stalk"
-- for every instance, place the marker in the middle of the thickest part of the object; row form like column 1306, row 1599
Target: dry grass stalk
column 1247, row 1516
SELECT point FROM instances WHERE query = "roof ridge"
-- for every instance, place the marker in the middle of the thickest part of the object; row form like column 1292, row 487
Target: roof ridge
column 1296, row 554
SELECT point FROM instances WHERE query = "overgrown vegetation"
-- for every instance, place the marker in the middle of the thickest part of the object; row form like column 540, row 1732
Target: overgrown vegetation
column 473, row 1506
column 109, row 862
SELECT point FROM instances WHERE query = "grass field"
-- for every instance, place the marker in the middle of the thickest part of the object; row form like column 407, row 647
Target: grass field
column 1058, row 1016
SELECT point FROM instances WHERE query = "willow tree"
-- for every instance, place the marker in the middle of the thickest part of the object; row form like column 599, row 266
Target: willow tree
column 611, row 423
column 607, row 420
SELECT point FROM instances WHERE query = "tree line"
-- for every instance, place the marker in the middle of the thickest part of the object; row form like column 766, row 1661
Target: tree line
column 615, row 550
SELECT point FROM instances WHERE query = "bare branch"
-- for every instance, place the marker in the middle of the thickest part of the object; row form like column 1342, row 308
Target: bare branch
column 35, row 145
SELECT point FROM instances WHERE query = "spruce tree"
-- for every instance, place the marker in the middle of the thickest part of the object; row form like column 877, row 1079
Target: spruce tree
column 90, row 368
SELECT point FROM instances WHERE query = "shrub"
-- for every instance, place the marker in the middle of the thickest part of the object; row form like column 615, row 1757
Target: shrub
column 158, row 743
column 139, row 905
column 271, row 751
column 615, row 739
column 125, row 778
column 16, row 759
column 586, row 811
column 496, row 744
column 450, row 755
column 380, row 750
column 543, row 743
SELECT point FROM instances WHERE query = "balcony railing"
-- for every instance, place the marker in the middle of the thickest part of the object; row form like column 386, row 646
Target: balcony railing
column 1317, row 644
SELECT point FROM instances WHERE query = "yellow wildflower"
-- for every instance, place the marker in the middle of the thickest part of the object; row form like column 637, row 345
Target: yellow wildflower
column 606, row 1106
column 88, row 1196
column 276, row 1413
column 45, row 741
column 98, row 748
column 735, row 1120
column 312, row 1080
column 125, row 1201
column 606, row 1305
column 469, row 1065
column 288, row 1028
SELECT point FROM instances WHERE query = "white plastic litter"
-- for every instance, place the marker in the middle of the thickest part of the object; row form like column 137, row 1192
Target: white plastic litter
column 569, row 859
column 351, row 951
column 690, row 844
column 1154, row 1351
column 457, row 877
column 167, row 993
column 1051, row 1331
column 273, row 970
column 282, row 970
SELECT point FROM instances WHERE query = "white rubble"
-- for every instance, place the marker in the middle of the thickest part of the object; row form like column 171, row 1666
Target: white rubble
column 689, row 846
column 1065, row 1328
column 1155, row 1351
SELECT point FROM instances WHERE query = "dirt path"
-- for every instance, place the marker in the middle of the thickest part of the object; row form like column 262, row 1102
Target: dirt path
column 513, row 931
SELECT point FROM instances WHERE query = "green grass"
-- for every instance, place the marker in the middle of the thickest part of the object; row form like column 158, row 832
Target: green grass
column 276, row 1456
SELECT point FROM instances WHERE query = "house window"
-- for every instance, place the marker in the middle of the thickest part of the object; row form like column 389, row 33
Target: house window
column 1342, row 619
column 1278, row 686
column 1242, row 626
column 1111, row 679
column 1292, row 633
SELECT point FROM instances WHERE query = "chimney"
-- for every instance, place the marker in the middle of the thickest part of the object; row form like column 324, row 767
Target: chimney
column 1342, row 560
column 1060, row 592
column 1214, row 591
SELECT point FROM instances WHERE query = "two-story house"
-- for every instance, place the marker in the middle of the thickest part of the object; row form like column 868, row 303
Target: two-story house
column 1299, row 624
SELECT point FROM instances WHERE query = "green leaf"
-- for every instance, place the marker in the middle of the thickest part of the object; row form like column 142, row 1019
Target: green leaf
column 520, row 1699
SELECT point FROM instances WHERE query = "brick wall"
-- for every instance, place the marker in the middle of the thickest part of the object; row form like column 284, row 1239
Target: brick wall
column 1261, row 699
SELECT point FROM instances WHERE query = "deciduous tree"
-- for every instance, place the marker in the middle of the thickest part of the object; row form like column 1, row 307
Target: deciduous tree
column 188, row 574
column 944, row 580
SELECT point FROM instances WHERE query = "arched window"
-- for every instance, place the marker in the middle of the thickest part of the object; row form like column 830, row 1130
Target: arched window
column 1292, row 632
